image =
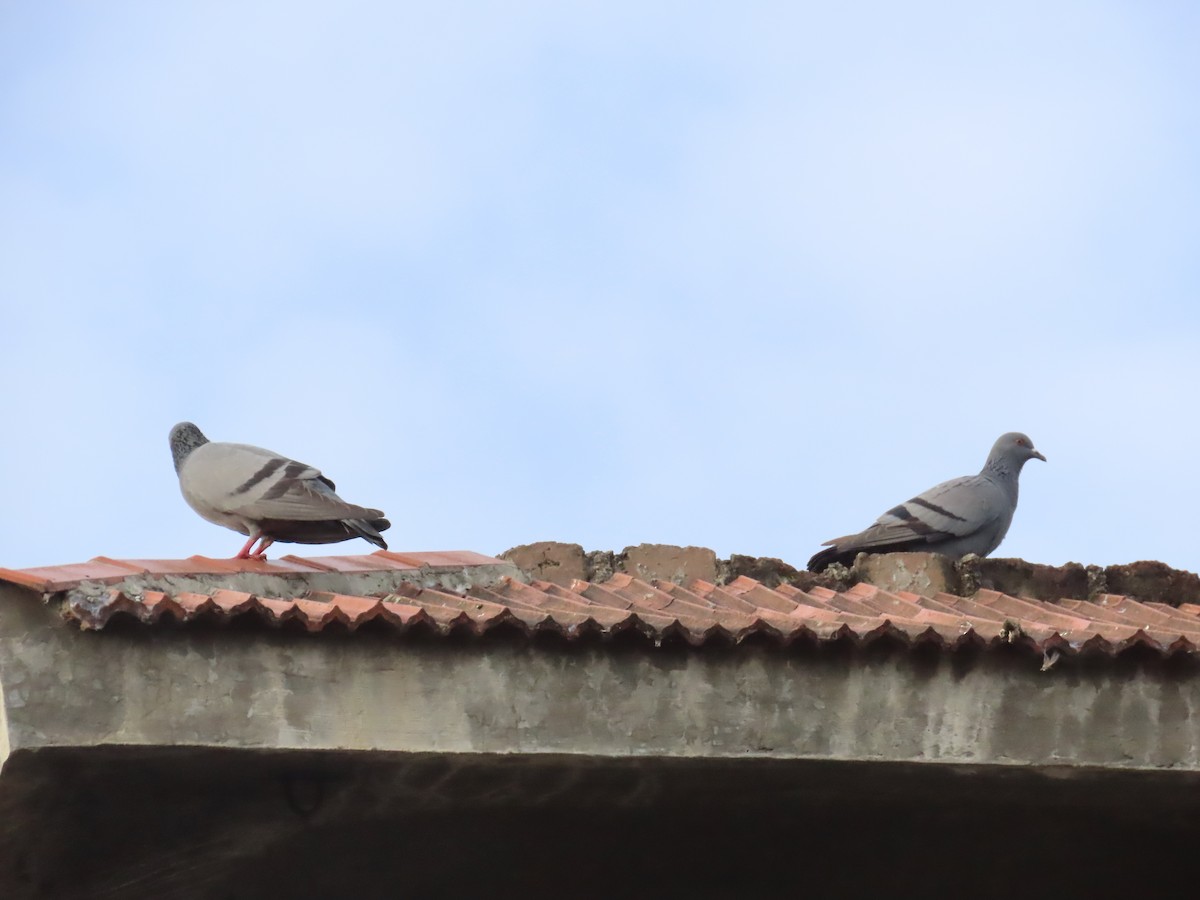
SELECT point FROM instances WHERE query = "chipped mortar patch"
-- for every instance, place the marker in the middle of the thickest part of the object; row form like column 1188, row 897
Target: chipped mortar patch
column 455, row 579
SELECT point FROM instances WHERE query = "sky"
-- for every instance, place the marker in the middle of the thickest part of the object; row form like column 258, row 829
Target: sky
column 741, row 276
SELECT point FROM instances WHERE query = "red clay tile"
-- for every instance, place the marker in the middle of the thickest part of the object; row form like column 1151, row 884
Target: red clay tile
column 348, row 564
column 941, row 618
column 509, row 601
column 968, row 606
column 641, row 594
column 564, row 596
column 862, row 590
column 232, row 602
column 316, row 615
column 849, row 604
column 208, row 565
column 817, row 592
column 697, row 613
column 648, row 623
column 277, row 610
column 778, row 600
column 1179, row 645
column 890, row 605
column 720, row 598
column 158, row 603
column 805, row 599
column 395, row 560
column 441, row 558
column 404, row 614
column 131, row 566
column 524, row 594
column 601, row 595
column 193, row 566
column 354, row 611
column 1030, row 609
column 475, row 608
column 61, row 578
column 194, row 604
column 290, row 565
column 28, row 578
column 565, row 605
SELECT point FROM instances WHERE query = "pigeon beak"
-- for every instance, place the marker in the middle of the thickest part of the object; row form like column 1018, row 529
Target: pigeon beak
column 1037, row 455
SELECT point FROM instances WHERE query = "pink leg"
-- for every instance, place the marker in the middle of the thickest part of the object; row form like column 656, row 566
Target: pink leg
column 244, row 553
column 261, row 552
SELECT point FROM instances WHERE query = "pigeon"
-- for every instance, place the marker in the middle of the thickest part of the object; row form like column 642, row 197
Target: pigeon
column 266, row 495
column 961, row 516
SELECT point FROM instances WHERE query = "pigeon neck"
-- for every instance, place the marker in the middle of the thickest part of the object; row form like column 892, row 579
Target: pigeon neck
column 1004, row 472
column 182, row 447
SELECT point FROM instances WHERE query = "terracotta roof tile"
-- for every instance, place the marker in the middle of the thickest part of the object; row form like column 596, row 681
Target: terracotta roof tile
column 47, row 578
column 696, row 612
column 354, row 563
column 439, row 558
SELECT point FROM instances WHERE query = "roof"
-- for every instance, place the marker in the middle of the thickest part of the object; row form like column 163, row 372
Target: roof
column 446, row 592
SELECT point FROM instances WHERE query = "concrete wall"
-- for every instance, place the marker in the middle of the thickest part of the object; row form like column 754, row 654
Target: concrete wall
column 239, row 762
column 249, row 687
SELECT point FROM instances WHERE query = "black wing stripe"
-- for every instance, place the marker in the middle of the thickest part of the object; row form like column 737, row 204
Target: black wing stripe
column 285, row 483
column 271, row 467
column 933, row 507
column 915, row 525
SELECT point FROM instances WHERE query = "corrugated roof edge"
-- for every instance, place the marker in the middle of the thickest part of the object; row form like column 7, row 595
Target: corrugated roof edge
column 450, row 591
column 696, row 614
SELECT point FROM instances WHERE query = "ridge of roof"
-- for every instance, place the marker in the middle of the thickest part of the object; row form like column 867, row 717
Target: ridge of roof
column 105, row 570
column 697, row 613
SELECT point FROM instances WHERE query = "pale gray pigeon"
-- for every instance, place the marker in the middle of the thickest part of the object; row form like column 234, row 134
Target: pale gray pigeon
column 965, row 515
column 266, row 495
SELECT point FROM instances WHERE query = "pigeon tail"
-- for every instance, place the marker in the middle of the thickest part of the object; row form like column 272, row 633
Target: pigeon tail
column 323, row 531
column 827, row 557
column 368, row 530
column 830, row 555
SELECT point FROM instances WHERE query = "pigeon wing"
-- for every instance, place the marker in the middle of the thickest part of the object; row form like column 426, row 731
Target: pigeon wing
column 257, row 484
column 950, row 511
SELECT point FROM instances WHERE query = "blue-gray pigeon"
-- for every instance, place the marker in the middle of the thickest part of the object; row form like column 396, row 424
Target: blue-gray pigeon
column 965, row 515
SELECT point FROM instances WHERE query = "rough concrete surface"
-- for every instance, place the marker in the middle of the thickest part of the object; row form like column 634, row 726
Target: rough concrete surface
column 299, row 584
column 670, row 563
column 551, row 561
column 926, row 574
column 1152, row 581
column 371, row 691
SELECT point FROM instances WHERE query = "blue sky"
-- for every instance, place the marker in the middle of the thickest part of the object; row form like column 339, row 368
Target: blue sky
column 735, row 275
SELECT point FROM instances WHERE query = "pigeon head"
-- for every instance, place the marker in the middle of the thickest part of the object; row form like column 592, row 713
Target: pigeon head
column 1011, row 452
column 185, row 437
